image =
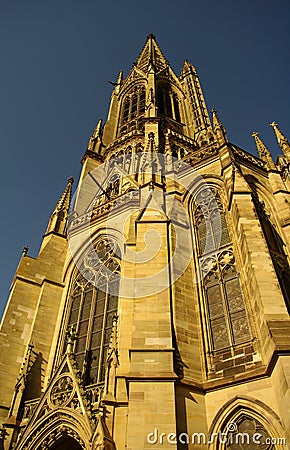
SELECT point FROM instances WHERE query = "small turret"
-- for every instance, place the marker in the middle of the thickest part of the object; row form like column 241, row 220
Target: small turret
column 58, row 218
column 218, row 128
column 263, row 152
column 96, row 138
column 282, row 141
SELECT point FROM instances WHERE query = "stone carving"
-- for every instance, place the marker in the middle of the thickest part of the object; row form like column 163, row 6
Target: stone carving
column 252, row 159
column 62, row 391
column 249, row 427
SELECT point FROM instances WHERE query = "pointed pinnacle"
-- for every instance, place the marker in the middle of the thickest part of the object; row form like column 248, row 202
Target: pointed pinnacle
column 97, row 130
column 261, row 147
column 151, row 36
column 280, row 136
column 25, row 250
column 215, row 118
column 151, row 53
column 263, row 152
column 218, row 127
column 187, row 66
column 282, row 140
column 58, row 218
column 113, row 340
column 120, row 77
column 64, row 200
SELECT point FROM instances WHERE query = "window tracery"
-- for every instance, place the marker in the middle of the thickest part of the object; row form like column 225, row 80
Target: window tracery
column 224, row 304
column 249, row 434
column 132, row 110
column 167, row 102
column 94, row 303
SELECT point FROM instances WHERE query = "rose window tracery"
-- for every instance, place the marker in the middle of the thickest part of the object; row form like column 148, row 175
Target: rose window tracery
column 62, row 391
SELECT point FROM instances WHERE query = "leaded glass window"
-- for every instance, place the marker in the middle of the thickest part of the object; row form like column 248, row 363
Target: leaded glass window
column 224, row 304
column 93, row 305
column 133, row 107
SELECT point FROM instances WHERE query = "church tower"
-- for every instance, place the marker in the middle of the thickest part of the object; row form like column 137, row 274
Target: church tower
column 156, row 314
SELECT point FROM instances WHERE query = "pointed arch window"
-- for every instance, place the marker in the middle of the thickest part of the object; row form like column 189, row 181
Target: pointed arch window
column 176, row 108
column 133, row 107
column 93, row 305
column 249, row 434
column 224, row 304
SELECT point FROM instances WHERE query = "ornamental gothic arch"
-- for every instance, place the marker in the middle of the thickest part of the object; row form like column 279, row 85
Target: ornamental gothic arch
column 157, row 308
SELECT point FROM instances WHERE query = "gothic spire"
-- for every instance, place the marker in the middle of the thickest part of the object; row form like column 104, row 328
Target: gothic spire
column 218, row 128
column 96, row 138
column 98, row 129
column 263, row 152
column 282, row 141
column 59, row 216
column 151, row 55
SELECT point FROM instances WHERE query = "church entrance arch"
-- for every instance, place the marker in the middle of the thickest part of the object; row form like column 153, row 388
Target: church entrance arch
column 65, row 443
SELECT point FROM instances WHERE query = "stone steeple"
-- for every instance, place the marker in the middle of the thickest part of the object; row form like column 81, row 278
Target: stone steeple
column 218, row 128
column 282, row 141
column 58, row 219
column 263, row 152
column 151, row 55
column 167, row 294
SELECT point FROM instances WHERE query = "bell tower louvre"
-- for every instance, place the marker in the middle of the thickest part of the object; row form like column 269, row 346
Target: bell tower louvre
column 156, row 314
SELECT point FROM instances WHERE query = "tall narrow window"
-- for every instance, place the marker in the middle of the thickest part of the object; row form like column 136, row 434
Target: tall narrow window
column 176, row 108
column 94, row 303
column 224, row 304
column 164, row 101
column 133, row 107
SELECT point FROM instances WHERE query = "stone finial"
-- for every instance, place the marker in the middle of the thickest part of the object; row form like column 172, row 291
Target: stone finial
column 71, row 336
column 59, row 216
column 263, row 152
column 218, row 128
column 25, row 250
column 282, row 140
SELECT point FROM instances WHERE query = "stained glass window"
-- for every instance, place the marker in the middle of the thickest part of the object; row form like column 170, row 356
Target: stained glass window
column 94, row 303
column 225, row 308
column 133, row 107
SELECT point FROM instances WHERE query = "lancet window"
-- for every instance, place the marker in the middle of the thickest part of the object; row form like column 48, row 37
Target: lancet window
column 93, row 305
column 133, row 108
column 249, row 428
column 167, row 103
column 223, row 299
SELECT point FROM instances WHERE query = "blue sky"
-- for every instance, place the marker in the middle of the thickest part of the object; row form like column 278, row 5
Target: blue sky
column 57, row 58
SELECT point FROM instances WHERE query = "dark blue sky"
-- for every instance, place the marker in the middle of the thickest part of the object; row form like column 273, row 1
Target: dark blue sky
column 57, row 58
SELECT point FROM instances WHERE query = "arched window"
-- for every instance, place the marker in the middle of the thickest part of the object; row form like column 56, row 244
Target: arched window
column 164, row 100
column 133, row 107
column 224, row 304
column 176, row 108
column 246, row 433
column 126, row 110
column 93, row 305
